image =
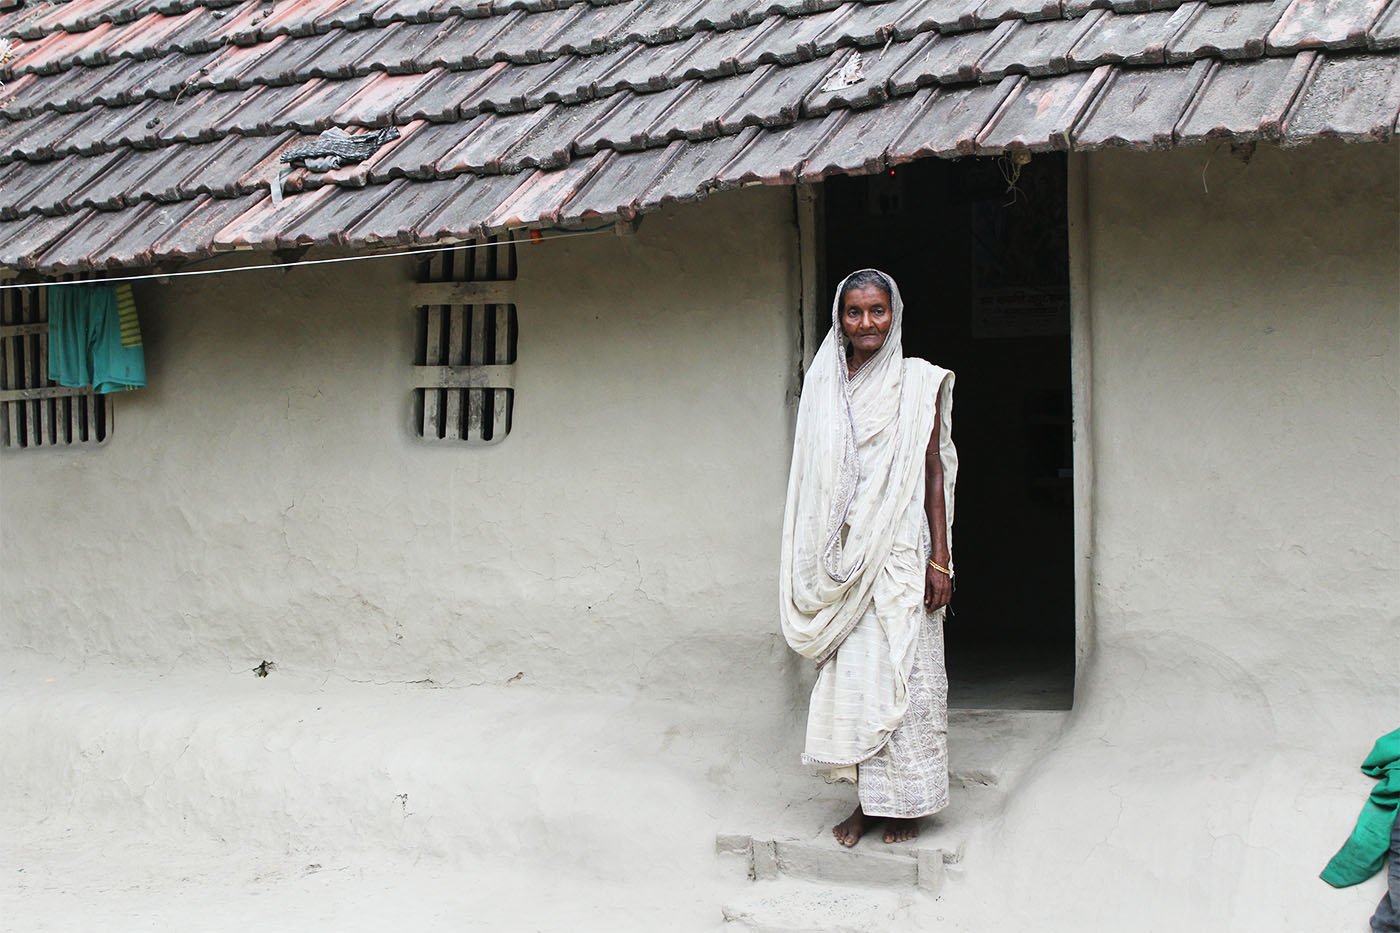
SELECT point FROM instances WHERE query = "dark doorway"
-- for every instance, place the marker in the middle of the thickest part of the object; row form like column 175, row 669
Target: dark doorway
column 979, row 248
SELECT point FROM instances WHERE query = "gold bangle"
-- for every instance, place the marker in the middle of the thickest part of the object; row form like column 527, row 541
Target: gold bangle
column 943, row 570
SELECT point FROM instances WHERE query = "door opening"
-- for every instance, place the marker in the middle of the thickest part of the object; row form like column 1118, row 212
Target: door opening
column 980, row 250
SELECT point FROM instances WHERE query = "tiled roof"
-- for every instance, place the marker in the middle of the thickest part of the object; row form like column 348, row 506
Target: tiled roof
column 140, row 131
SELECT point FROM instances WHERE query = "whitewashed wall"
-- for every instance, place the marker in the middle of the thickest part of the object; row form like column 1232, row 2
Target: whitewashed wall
column 263, row 500
column 1245, row 653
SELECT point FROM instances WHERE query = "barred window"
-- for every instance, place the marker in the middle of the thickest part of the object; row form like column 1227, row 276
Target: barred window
column 34, row 410
column 465, row 350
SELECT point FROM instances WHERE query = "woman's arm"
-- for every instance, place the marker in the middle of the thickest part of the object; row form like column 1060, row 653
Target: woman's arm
column 938, row 586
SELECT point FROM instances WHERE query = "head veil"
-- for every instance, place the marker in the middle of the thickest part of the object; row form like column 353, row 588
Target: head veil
column 858, row 457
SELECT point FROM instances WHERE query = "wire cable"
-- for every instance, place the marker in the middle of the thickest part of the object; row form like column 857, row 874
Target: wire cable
column 266, row 267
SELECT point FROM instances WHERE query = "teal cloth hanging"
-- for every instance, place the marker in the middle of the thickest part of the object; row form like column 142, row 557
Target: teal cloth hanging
column 86, row 346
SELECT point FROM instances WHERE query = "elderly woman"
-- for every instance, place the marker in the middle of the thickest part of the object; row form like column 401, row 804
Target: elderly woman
column 866, row 563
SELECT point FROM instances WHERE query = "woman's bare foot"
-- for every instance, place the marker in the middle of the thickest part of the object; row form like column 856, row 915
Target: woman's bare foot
column 849, row 830
column 901, row 830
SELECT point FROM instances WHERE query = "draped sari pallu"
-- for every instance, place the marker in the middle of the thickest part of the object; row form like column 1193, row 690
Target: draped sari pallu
column 855, row 542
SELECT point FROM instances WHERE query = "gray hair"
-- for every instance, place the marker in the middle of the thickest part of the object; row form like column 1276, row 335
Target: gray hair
column 865, row 278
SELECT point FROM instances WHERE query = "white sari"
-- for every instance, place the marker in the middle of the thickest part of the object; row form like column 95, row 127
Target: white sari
column 855, row 542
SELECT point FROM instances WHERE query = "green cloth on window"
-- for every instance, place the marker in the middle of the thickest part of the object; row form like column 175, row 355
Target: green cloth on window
column 86, row 339
column 1364, row 853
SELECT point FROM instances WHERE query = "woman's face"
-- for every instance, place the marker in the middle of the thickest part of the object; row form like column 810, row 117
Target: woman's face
column 866, row 317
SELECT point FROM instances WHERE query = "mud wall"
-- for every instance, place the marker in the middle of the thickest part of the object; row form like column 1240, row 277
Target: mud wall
column 1244, row 566
column 264, row 499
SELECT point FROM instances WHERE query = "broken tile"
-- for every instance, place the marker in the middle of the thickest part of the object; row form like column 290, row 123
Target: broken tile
column 580, row 78
column 554, row 141
column 392, row 220
column 864, row 24
column 204, row 116
column 313, row 112
column 105, row 128
column 591, row 33
column 224, row 172
column 297, row 19
column 462, row 43
column 48, row 185
column 403, row 45
column 510, row 90
column 227, row 68
column 659, row 21
column 259, row 226
column 719, row 15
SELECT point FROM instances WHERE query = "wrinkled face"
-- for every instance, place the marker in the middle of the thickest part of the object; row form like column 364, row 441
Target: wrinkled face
column 866, row 317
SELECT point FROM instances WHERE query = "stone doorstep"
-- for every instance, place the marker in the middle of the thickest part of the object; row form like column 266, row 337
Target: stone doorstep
column 822, row 859
column 786, row 853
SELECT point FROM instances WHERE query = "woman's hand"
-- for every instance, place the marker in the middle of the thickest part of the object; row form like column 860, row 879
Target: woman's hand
column 938, row 588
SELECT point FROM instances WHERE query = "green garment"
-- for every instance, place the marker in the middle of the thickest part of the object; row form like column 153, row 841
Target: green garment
column 1364, row 853
column 89, row 340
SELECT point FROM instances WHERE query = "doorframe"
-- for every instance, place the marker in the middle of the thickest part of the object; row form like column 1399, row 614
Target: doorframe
column 810, row 203
column 810, row 216
column 1081, row 370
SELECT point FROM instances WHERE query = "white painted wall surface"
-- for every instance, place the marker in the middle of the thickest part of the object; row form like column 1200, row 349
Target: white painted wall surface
column 263, row 500
column 1246, row 648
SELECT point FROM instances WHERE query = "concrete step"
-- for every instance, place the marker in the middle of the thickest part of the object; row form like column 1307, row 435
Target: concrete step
column 822, row 859
column 988, row 750
column 795, row 907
